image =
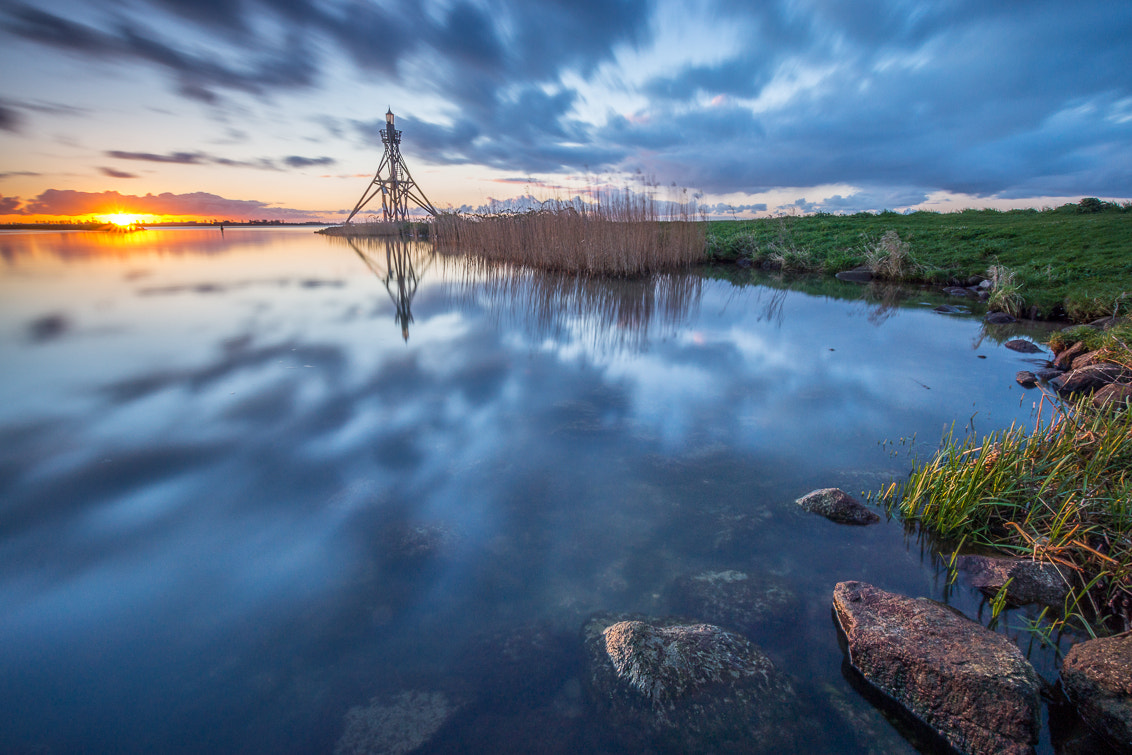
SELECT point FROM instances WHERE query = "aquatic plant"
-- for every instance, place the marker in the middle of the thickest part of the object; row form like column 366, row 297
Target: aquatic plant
column 1060, row 495
column 618, row 233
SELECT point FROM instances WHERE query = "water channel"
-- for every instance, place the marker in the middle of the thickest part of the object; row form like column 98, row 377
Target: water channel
column 261, row 486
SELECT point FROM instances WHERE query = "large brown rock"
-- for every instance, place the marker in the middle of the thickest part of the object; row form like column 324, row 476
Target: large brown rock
column 673, row 686
column 1065, row 357
column 1090, row 378
column 1029, row 581
column 1084, row 360
column 970, row 685
column 837, row 506
column 1097, row 677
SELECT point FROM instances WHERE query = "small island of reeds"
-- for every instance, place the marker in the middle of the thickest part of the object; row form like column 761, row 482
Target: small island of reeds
column 619, row 233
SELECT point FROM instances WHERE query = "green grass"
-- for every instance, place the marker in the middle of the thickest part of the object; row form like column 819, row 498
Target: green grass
column 1061, row 494
column 1068, row 262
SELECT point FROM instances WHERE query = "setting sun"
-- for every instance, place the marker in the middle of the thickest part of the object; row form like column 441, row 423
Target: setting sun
column 121, row 219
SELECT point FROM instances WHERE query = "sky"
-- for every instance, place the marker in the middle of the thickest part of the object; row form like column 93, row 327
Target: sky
column 270, row 109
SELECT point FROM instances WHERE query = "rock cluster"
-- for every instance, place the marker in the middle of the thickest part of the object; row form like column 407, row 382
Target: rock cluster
column 1080, row 371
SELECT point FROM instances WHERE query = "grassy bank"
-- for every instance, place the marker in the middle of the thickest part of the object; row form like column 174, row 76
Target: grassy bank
column 1074, row 261
column 1060, row 494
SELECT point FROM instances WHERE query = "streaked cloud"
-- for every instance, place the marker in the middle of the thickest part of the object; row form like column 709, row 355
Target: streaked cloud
column 116, row 173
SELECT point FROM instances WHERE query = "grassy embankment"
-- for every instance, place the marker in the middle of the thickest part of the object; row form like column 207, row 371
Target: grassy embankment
column 1074, row 261
column 1061, row 495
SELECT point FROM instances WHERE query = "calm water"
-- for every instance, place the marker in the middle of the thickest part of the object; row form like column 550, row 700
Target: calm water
column 250, row 481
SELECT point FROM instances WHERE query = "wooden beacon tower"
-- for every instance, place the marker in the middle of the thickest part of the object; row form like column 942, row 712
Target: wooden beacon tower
column 393, row 181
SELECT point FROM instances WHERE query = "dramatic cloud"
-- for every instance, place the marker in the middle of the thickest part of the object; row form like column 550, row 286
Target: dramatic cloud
column 202, row 158
column 895, row 98
column 9, row 205
column 198, row 204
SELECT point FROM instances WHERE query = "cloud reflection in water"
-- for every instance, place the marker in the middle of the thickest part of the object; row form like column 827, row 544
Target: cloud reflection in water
column 268, row 482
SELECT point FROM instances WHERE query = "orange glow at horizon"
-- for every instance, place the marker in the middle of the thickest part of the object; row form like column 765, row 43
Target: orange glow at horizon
column 121, row 219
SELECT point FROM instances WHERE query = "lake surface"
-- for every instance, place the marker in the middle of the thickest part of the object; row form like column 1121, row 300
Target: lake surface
column 254, row 480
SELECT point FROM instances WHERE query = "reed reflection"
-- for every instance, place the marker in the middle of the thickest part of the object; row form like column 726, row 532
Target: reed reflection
column 399, row 265
column 608, row 315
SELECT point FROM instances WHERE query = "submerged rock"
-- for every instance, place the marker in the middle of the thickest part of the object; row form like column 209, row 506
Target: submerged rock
column 999, row 318
column 1097, row 677
column 1049, row 373
column 1026, row 379
column 837, row 506
column 673, row 686
column 970, row 685
column 1023, row 346
column 734, row 599
column 856, row 275
column 394, row 725
column 1030, row 581
column 952, row 309
column 404, row 541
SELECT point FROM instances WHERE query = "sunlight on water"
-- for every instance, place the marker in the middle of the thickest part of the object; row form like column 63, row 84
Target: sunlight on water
column 252, row 481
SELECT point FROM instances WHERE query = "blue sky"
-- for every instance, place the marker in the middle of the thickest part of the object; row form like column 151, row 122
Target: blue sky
column 270, row 108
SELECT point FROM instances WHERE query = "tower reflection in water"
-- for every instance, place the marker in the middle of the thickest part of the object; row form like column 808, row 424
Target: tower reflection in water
column 400, row 265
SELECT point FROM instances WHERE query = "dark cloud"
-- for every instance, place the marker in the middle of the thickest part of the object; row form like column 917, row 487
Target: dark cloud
column 116, row 173
column 200, row 204
column 48, row 327
column 180, row 158
column 9, row 119
column 10, row 205
column 202, row 158
column 259, row 65
column 981, row 98
column 296, row 161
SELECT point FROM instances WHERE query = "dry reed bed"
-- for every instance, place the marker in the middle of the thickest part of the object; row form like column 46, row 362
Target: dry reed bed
column 619, row 234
